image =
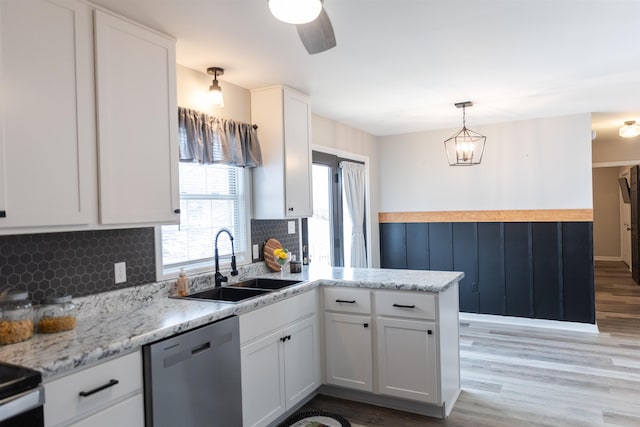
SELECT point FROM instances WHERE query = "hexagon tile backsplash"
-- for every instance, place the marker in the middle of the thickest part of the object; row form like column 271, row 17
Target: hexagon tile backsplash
column 77, row 263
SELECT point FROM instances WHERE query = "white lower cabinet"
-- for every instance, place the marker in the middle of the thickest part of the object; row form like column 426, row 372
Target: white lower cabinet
column 128, row 413
column 407, row 363
column 280, row 358
column 415, row 353
column 108, row 394
column 348, row 351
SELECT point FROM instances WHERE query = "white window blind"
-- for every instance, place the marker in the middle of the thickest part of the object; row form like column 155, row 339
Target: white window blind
column 211, row 197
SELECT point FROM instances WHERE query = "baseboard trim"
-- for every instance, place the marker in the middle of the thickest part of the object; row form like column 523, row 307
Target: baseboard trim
column 535, row 323
column 607, row 258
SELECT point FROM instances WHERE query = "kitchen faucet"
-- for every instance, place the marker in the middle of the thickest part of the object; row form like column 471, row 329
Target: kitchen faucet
column 219, row 278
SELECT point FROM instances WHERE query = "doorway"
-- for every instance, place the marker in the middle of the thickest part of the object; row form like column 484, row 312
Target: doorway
column 329, row 232
column 625, row 222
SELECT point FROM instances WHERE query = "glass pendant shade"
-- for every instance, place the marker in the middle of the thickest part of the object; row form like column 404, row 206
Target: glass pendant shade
column 295, row 11
column 629, row 130
column 215, row 95
column 465, row 148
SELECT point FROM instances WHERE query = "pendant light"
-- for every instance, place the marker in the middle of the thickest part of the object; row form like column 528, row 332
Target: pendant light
column 295, row 11
column 465, row 147
column 215, row 91
column 629, row 130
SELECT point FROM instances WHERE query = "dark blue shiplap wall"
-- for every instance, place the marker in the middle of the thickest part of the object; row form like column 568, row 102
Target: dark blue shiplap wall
column 540, row 270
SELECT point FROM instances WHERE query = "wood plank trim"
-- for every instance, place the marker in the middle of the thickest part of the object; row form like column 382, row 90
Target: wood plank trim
column 543, row 215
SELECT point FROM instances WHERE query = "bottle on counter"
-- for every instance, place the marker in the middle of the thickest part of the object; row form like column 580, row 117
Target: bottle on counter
column 56, row 314
column 182, row 284
column 16, row 317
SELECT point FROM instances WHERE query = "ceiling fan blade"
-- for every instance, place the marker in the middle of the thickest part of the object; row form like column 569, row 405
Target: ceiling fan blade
column 317, row 35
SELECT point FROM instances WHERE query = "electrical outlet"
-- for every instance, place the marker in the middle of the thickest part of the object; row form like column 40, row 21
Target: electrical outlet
column 120, row 271
column 474, row 287
column 256, row 251
column 292, row 227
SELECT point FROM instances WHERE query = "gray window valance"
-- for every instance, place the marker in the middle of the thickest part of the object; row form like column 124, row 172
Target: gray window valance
column 206, row 139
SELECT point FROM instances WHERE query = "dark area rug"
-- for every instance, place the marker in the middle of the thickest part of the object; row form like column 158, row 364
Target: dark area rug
column 315, row 418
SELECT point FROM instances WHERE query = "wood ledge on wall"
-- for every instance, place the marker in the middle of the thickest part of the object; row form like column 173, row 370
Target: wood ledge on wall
column 542, row 215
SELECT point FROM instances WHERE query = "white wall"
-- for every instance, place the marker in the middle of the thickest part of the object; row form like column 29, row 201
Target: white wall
column 530, row 164
column 337, row 138
column 606, row 213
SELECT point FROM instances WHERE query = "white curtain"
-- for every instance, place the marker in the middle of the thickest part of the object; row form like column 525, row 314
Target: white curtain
column 353, row 188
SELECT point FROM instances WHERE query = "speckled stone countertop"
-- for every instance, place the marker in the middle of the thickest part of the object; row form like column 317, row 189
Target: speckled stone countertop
column 122, row 321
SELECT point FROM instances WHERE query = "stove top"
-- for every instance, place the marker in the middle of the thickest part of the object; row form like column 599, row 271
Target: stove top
column 16, row 379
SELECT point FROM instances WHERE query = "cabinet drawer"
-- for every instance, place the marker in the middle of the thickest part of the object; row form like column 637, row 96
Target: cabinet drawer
column 347, row 300
column 406, row 304
column 259, row 322
column 62, row 396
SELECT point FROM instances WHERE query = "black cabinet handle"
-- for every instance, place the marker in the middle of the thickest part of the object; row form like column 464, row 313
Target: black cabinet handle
column 176, row 211
column 346, row 302
column 283, row 339
column 3, row 214
column 95, row 390
column 429, row 332
column 290, row 209
column 404, row 306
column 366, row 325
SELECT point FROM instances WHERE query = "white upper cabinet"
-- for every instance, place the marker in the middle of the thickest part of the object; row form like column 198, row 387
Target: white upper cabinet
column 47, row 142
column 282, row 185
column 137, row 123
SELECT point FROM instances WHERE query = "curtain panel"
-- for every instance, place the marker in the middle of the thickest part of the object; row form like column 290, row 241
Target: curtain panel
column 206, row 139
column 353, row 182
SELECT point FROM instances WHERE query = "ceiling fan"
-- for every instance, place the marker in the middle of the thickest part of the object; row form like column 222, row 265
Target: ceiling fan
column 311, row 20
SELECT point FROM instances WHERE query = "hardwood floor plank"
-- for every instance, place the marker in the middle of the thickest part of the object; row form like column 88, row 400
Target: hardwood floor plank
column 516, row 376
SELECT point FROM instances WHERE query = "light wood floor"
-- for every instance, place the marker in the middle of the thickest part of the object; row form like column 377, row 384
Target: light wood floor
column 514, row 376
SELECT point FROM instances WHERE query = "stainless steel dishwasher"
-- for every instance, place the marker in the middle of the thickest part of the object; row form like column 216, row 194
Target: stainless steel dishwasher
column 193, row 379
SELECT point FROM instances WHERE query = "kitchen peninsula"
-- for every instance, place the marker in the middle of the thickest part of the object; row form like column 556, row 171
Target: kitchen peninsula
column 396, row 305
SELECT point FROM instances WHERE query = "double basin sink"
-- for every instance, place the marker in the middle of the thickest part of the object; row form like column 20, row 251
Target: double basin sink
column 240, row 291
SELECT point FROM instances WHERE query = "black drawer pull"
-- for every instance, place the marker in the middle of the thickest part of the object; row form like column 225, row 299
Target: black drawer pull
column 346, row 302
column 176, row 211
column 366, row 325
column 3, row 214
column 429, row 332
column 404, row 306
column 95, row 390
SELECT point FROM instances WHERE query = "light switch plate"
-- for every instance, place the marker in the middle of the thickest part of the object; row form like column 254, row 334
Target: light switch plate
column 120, row 270
column 292, row 227
column 255, row 251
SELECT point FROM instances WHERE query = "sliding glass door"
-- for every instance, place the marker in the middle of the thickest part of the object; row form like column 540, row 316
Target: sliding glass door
column 328, row 233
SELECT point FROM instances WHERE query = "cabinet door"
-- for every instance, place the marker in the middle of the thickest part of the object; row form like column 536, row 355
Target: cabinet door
column 349, row 351
column 263, row 398
column 297, row 151
column 407, row 365
column 129, row 413
column 46, row 113
column 301, row 360
column 137, row 123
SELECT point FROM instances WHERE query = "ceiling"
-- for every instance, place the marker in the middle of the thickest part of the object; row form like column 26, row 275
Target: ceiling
column 400, row 65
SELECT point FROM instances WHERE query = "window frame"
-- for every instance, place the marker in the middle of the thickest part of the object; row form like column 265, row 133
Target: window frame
column 242, row 258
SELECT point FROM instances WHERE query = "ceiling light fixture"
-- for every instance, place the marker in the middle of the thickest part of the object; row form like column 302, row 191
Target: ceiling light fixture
column 295, row 11
column 215, row 91
column 465, row 147
column 629, row 130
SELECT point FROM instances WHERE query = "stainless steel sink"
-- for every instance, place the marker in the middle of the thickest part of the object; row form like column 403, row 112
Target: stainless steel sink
column 227, row 294
column 264, row 283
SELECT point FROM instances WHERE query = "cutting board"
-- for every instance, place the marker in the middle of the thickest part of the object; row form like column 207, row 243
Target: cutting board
column 269, row 246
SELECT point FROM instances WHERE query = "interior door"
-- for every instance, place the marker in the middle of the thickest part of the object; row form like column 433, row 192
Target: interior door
column 635, row 241
column 625, row 228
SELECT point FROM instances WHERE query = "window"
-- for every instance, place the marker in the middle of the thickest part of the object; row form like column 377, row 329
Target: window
column 211, row 197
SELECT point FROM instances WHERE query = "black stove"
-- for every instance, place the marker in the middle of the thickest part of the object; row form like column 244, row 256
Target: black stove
column 21, row 396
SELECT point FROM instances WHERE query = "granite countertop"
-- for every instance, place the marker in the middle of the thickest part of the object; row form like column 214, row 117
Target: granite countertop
column 122, row 321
